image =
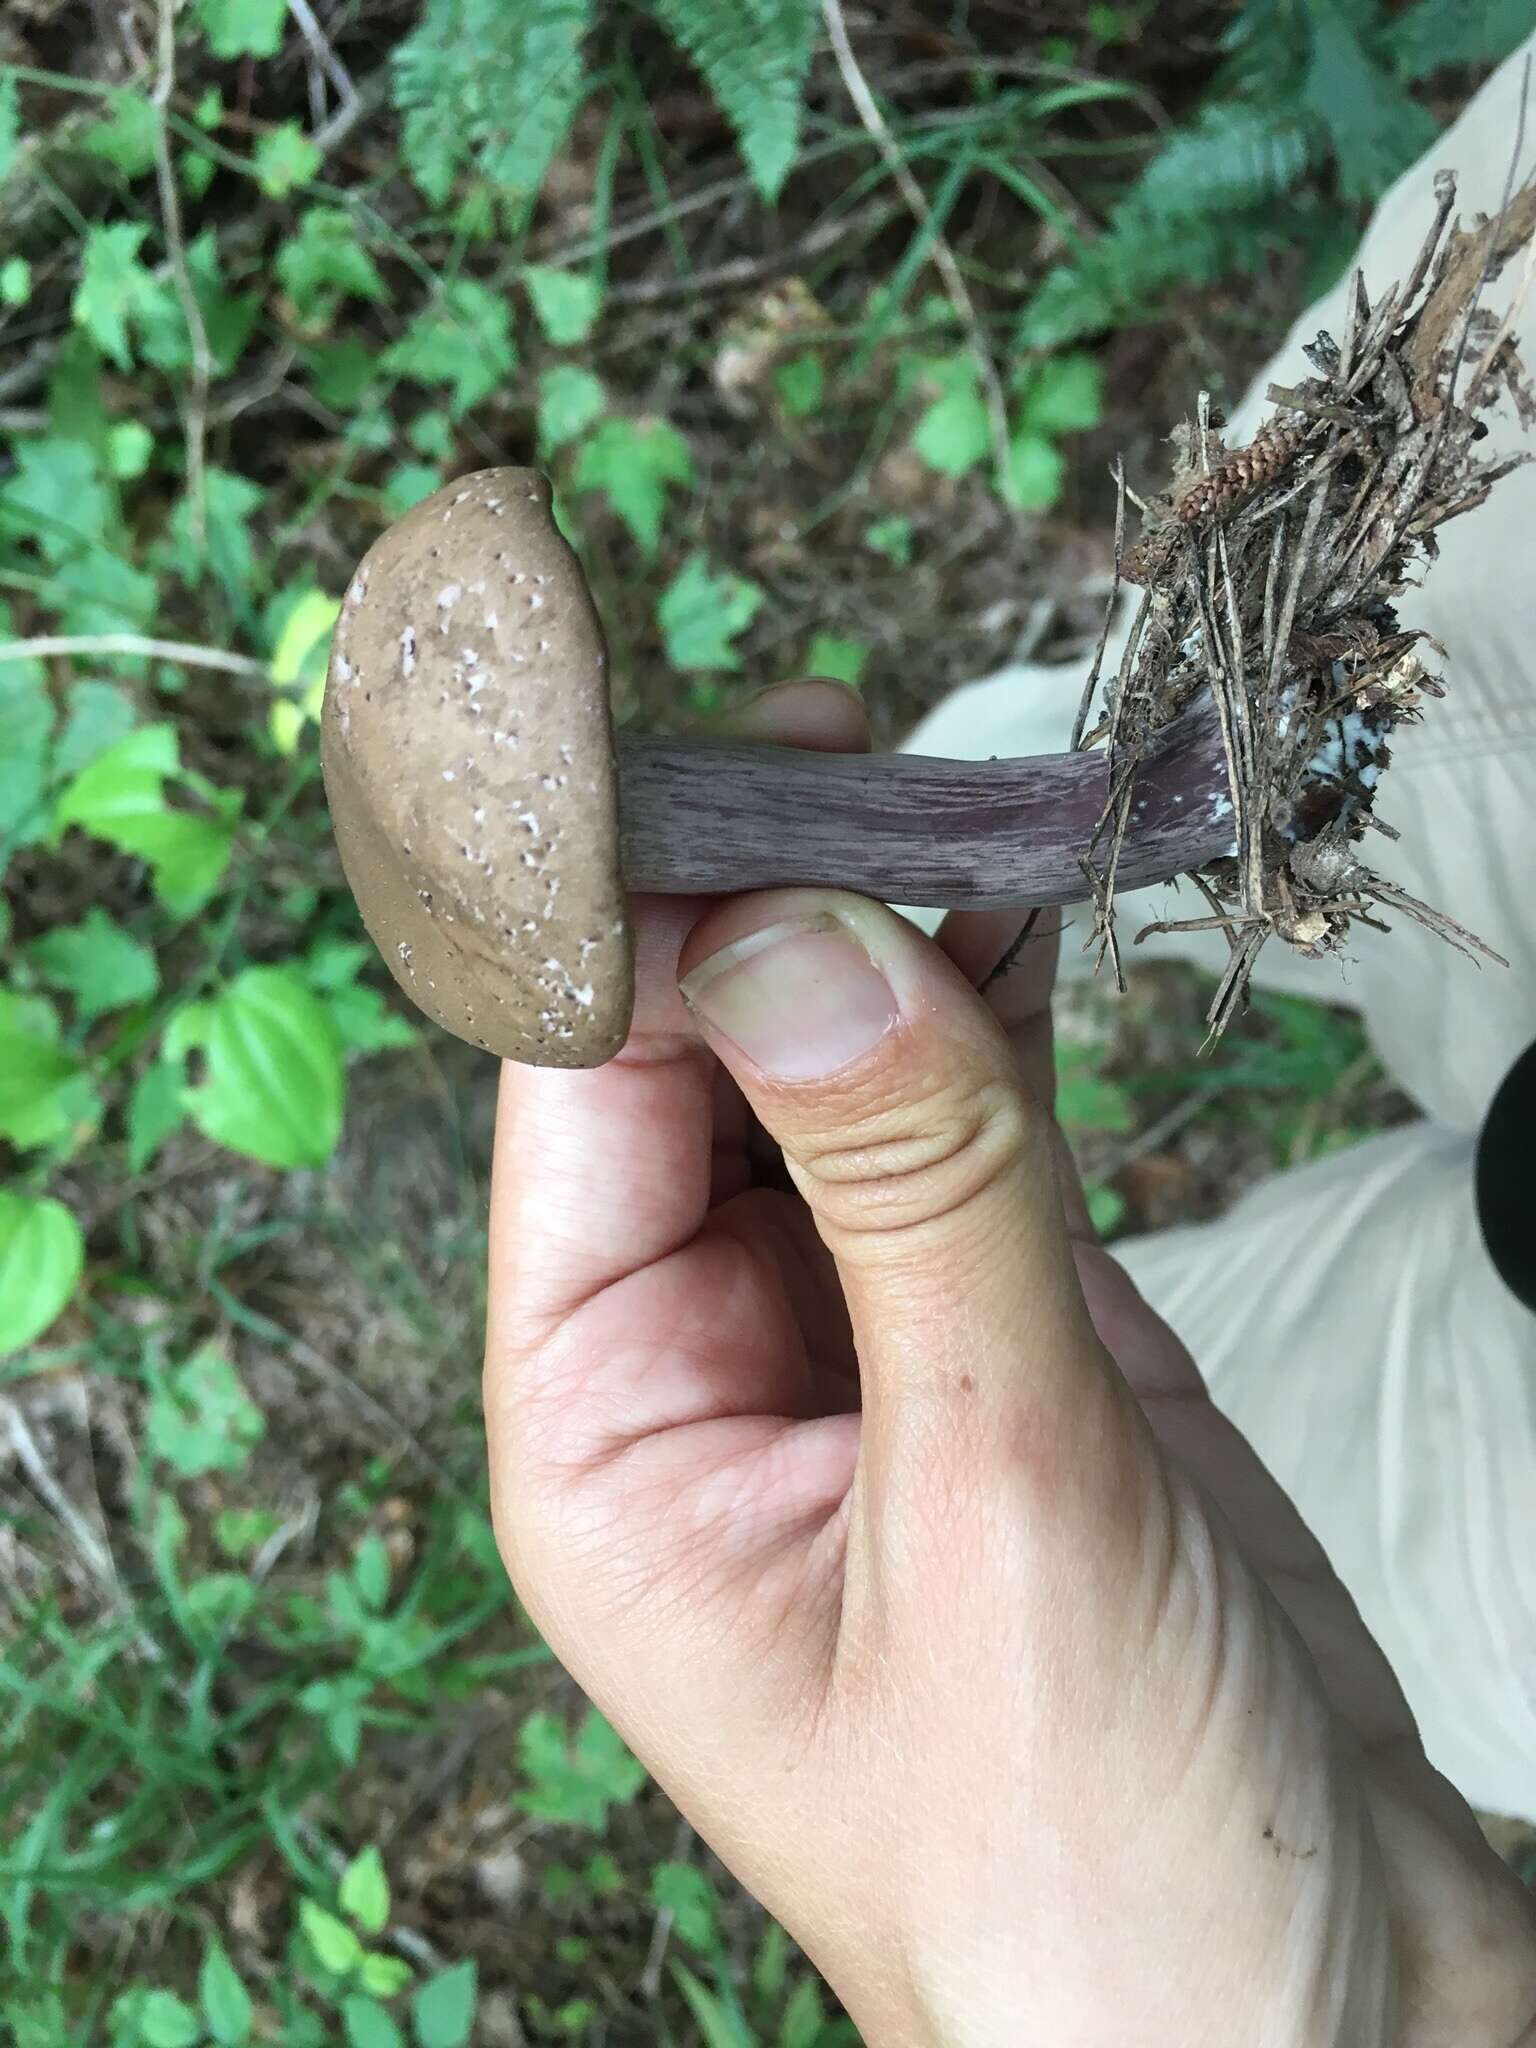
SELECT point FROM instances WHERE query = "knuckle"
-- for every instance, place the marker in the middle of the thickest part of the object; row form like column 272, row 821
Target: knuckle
column 894, row 1171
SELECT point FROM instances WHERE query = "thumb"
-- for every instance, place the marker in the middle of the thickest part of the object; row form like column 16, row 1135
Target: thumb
column 929, row 1168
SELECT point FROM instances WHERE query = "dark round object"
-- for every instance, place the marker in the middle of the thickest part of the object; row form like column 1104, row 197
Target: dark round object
column 1505, row 1178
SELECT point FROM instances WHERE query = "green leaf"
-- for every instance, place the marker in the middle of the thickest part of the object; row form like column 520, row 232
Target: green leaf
column 372, row 1574
column 1106, row 1208
column 700, row 613
column 716, row 2023
column 156, row 1107
column 239, row 1531
column 325, row 262
column 891, row 537
column 100, row 714
column 336, row 1947
column 632, row 462
column 166, row 2021
column 121, row 798
column 574, row 1785
column 1439, row 34
column 56, row 499
column 1233, row 155
column 10, row 123
column 492, row 86
column 226, row 2002
column 243, row 28
column 26, row 719
column 955, row 432
column 368, row 2025
column 42, row 1255
column 364, row 1890
column 565, row 302
column 35, row 1072
column 570, row 399
column 463, row 340
column 801, row 384
column 113, row 286
column 443, row 2010
column 384, row 1976
column 754, row 55
column 1032, row 482
column 126, row 137
column 129, row 447
column 225, row 548
column 283, row 158
column 1062, row 395
column 15, row 281
column 804, row 2016
column 1376, row 128
column 274, row 1087
column 97, row 962
column 685, row 1892
column 842, row 659
column 200, row 1418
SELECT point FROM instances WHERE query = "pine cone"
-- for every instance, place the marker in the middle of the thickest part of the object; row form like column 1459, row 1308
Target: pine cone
column 1244, row 470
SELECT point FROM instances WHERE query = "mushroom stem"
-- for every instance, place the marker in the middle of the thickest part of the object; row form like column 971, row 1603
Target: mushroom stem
column 978, row 835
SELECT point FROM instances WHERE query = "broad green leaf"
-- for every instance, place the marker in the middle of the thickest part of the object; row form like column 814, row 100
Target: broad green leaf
column 684, row 1891
column 955, row 433
column 632, row 462
column 383, row 1976
column 1032, row 481
column 406, row 485
column 574, row 1785
column 1106, row 1208
column 126, row 137
column 42, row 1255
column 274, row 1086
column 217, row 1602
column 368, row 2025
column 226, row 2002
column 701, row 613
column 829, row 655
column 325, row 262
column 200, row 1418
column 443, row 2010
column 801, row 384
column 364, row 1890
column 570, row 399
column 129, row 447
column 121, row 798
column 283, row 158
column 804, row 2016
column 336, row 1947
column 15, row 281
column 26, row 719
column 166, row 2021
column 463, row 340
column 298, row 664
column 228, row 502
column 114, row 287
column 1062, row 395
column 56, row 498
column 100, row 714
column 565, row 302
column 243, row 28
column 239, row 1531
column 156, row 1107
column 35, row 1072
column 371, row 1574
column 97, row 962
column 891, row 537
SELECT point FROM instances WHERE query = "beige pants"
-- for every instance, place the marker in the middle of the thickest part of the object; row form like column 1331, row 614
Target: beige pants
column 1345, row 1313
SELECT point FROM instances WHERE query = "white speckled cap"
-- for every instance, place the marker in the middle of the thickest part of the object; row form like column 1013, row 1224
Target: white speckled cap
column 469, row 764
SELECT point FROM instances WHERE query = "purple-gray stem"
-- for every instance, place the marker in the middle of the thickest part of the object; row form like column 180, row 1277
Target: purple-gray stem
column 978, row 835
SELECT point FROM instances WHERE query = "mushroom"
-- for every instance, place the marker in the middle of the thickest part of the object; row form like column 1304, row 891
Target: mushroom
column 490, row 827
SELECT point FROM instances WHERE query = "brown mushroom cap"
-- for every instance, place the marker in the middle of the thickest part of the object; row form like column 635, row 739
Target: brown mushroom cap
column 469, row 764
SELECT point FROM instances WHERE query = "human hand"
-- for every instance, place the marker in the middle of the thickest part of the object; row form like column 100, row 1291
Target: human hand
column 898, row 1536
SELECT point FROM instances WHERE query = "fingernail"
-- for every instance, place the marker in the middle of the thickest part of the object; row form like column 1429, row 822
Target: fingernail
column 800, row 999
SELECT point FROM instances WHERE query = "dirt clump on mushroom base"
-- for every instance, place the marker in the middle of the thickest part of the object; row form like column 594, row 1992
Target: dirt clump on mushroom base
column 1267, row 578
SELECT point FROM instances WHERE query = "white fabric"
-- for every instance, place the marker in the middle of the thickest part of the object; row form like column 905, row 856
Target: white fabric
column 1346, row 1313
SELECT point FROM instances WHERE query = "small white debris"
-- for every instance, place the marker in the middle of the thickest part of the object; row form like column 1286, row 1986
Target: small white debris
column 449, row 776
column 448, row 595
column 342, row 667
column 408, row 652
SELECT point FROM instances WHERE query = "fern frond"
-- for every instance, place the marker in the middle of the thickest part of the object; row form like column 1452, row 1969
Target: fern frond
column 1374, row 128
column 754, row 55
column 1439, row 33
column 492, row 84
column 1232, row 156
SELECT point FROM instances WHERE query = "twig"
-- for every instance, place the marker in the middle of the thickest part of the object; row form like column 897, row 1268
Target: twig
column 324, row 56
column 195, row 410
column 49, row 644
column 942, row 256
column 642, row 291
